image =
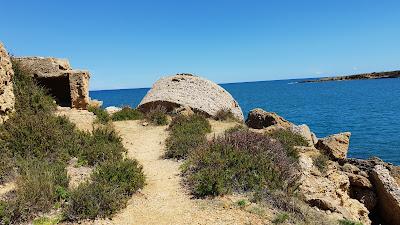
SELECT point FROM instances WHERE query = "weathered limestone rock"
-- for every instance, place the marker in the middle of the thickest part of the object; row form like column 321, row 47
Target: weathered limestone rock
column 304, row 131
column 95, row 103
column 199, row 94
column 43, row 67
column 7, row 99
column 330, row 191
column 69, row 87
column 314, row 138
column 259, row 119
column 183, row 110
column 365, row 196
column 336, row 145
column 388, row 192
column 112, row 109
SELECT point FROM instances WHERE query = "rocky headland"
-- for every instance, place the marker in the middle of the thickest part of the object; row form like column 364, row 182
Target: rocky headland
column 328, row 184
column 363, row 76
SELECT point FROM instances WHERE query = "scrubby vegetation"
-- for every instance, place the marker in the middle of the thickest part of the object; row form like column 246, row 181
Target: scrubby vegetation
column 127, row 113
column 224, row 115
column 289, row 140
column 111, row 186
column 290, row 209
column 321, row 162
column 349, row 222
column 37, row 145
column 186, row 134
column 101, row 114
column 157, row 116
column 240, row 161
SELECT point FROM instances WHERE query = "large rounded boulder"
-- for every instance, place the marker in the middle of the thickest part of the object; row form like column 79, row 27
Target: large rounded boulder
column 200, row 94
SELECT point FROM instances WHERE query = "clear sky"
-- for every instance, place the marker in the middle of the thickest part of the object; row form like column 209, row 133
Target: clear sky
column 128, row 44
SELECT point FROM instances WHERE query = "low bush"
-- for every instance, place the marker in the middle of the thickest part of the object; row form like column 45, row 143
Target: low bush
column 289, row 140
column 236, row 128
column 280, row 218
column 224, row 115
column 30, row 98
column 104, row 144
column 157, row 116
column 349, row 222
column 101, row 114
column 296, row 210
column 111, row 186
column 41, row 136
column 37, row 190
column 37, row 145
column 240, row 161
column 127, row 113
column 6, row 163
column 321, row 162
column 186, row 133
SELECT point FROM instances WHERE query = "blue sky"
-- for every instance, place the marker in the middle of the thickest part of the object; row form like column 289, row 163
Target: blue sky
column 128, row 44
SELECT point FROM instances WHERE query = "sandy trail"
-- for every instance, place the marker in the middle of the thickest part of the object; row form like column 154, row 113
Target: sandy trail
column 163, row 200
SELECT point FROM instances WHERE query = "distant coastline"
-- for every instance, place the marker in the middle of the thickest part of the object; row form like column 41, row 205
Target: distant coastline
column 363, row 76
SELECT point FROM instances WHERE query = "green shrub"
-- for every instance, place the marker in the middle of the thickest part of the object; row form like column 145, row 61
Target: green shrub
column 297, row 211
column 186, row 133
column 280, row 218
column 6, row 163
column 321, row 162
column 101, row 114
column 30, row 98
column 224, row 115
column 240, row 161
column 236, row 128
column 157, row 116
column 41, row 135
column 104, row 144
column 112, row 185
column 349, row 222
column 289, row 140
column 38, row 145
column 127, row 113
column 36, row 190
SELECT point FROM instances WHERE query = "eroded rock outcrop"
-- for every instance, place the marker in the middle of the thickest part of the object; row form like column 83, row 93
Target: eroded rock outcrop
column 388, row 192
column 259, row 119
column 329, row 190
column 304, row 131
column 69, row 87
column 7, row 99
column 199, row 94
column 336, row 145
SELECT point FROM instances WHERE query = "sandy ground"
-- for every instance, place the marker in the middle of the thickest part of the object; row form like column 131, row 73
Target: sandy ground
column 83, row 119
column 163, row 200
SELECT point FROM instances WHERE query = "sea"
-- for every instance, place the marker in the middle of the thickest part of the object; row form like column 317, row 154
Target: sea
column 369, row 109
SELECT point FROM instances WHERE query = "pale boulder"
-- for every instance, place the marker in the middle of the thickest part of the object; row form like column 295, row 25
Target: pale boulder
column 201, row 95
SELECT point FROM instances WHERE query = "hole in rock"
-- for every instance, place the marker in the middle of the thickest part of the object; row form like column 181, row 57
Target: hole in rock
column 58, row 88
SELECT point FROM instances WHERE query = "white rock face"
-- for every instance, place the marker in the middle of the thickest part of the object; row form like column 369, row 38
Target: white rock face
column 187, row 90
column 7, row 99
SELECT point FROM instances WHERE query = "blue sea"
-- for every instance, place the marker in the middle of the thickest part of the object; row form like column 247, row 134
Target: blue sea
column 369, row 109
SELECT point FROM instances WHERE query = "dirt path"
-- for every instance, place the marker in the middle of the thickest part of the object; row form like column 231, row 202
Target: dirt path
column 163, row 200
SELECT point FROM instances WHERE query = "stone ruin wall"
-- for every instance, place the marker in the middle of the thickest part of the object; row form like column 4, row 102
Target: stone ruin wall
column 69, row 87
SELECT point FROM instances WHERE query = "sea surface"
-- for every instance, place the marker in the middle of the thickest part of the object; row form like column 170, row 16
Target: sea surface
column 369, row 109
